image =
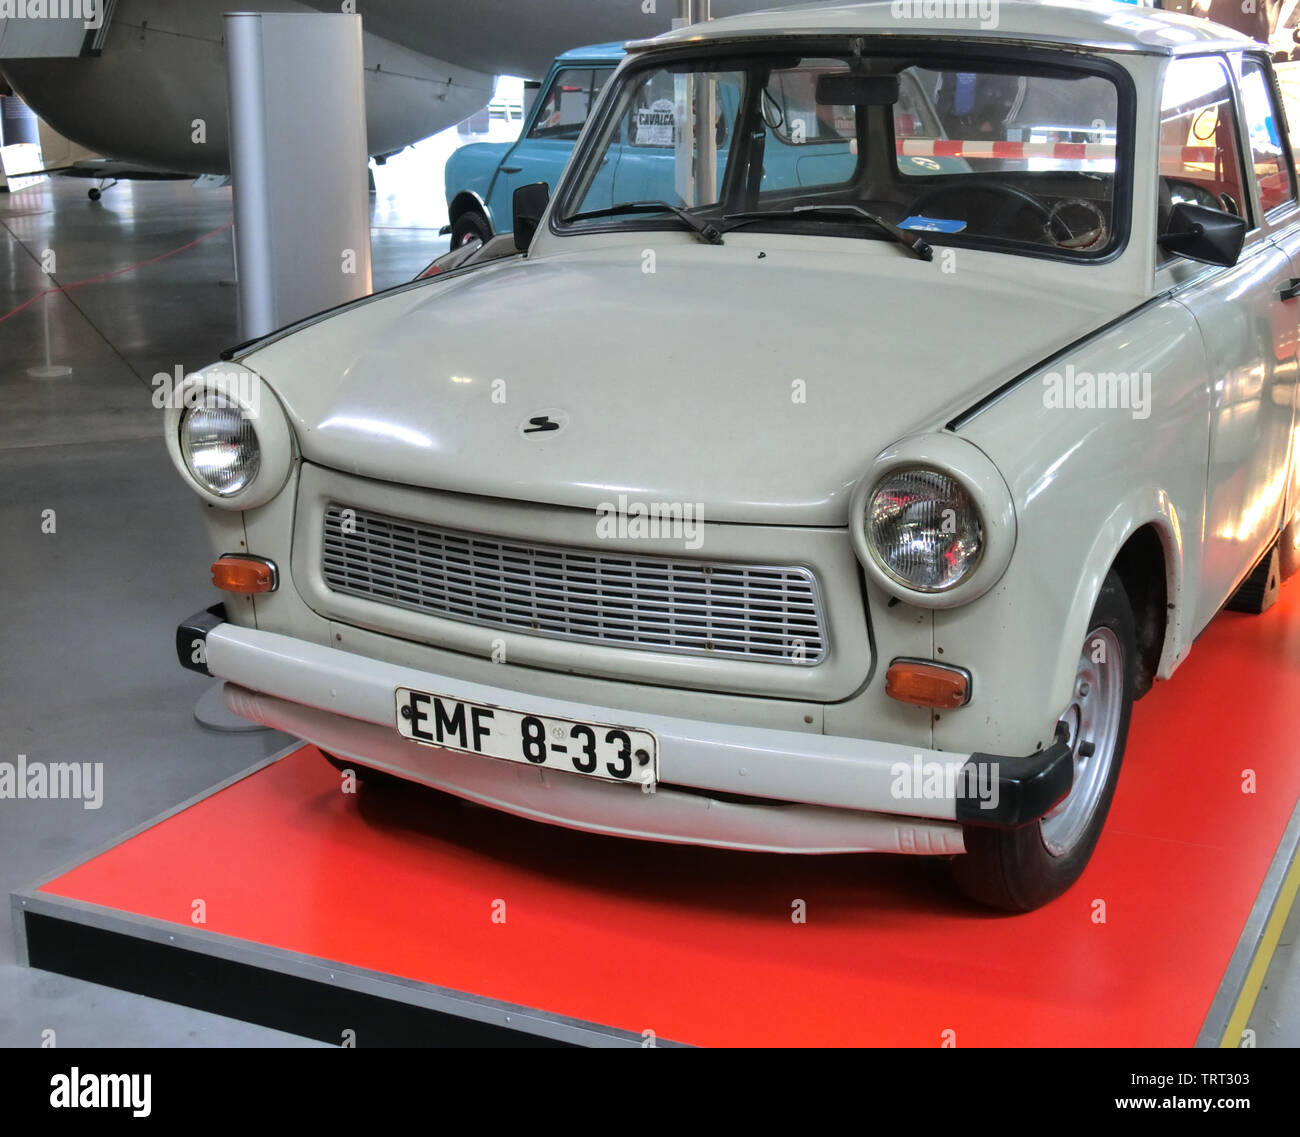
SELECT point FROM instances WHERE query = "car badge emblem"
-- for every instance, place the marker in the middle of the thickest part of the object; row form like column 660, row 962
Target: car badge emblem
column 547, row 422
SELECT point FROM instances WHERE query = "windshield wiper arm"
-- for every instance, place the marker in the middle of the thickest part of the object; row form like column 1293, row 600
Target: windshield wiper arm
column 916, row 244
column 705, row 230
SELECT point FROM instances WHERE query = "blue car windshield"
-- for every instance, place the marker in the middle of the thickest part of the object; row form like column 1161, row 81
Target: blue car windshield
column 1022, row 155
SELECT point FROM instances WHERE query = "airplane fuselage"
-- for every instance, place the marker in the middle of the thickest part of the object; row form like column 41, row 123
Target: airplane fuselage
column 156, row 93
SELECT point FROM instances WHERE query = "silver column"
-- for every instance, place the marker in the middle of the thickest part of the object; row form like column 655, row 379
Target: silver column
column 697, row 153
column 299, row 159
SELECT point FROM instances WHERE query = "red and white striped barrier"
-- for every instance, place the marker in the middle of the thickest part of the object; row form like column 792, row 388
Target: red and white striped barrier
column 959, row 148
column 1060, row 151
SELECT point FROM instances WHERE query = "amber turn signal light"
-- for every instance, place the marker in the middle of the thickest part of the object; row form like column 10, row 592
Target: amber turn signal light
column 247, row 576
column 926, row 684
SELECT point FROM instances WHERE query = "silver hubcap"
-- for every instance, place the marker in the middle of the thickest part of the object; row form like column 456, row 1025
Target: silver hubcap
column 1092, row 721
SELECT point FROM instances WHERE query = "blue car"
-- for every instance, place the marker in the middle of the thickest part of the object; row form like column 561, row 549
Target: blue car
column 482, row 177
column 807, row 143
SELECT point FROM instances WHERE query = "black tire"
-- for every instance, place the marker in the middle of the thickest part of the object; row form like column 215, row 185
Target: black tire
column 1013, row 869
column 94, row 194
column 365, row 775
column 470, row 227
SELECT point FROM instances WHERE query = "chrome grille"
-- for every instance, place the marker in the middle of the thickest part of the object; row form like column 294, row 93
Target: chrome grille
column 762, row 613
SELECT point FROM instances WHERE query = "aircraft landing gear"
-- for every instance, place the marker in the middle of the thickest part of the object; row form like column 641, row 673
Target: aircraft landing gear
column 96, row 192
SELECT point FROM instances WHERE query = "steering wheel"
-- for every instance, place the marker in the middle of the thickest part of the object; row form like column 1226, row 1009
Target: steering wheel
column 1016, row 200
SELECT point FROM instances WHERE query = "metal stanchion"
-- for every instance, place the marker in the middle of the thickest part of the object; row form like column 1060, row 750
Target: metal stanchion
column 50, row 369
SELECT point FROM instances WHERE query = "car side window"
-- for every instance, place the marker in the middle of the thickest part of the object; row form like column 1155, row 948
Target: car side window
column 791, row 111
column 568, row 101
column 808, row 144
column 652, row 120
column 1200, row 148
column 1265, row 123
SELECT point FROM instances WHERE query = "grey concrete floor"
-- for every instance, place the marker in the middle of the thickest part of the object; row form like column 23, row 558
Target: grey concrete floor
column 88, row 611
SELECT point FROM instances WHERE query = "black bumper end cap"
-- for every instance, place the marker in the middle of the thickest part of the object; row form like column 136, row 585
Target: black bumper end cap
column 192, row 638
column 1027, row 787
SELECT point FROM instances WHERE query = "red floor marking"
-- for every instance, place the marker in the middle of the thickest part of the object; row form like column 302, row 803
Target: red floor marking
column 699, row 946
column 115, row 273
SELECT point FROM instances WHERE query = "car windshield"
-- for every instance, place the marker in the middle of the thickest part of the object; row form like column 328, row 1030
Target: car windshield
column 1018, row 154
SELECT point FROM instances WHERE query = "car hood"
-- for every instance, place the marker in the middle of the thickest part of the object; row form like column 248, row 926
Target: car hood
column 758, row 387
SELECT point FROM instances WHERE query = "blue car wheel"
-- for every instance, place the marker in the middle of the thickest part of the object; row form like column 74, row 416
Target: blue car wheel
column 470, row 228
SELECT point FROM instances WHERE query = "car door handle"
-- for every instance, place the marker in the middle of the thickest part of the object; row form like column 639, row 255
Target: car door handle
column 1289, row 289
column 512, row 169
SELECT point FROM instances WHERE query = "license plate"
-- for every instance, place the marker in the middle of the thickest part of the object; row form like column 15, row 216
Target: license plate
column 597, row 750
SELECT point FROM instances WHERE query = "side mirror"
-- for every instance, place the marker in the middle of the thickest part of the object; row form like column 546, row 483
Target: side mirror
column 1206, row 235
column 530, row 205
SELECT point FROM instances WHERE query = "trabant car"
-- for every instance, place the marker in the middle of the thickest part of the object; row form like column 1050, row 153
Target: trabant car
column 822, row 498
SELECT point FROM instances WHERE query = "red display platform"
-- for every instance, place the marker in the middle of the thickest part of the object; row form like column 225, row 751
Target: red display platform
column 699, row 946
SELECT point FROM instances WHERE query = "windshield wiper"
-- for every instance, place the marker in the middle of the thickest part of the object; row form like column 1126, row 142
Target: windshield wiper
column 706, row 230
column 911, row 241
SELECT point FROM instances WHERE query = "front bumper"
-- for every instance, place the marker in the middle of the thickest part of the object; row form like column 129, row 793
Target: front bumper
column 805, row 793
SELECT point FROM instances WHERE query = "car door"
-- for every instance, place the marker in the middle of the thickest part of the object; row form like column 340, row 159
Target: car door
column 1274, row 171
column 550, row 135
column 1246, row 326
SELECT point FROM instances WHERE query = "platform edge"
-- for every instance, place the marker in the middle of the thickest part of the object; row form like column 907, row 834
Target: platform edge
column 444, row 1000
column 17, row 906
column 158, row 818
column 1242, row 978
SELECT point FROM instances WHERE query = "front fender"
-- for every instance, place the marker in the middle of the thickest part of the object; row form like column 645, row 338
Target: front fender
column 1083, row 480
column 1021, row 642
column 470, row 172
column 1145, row 506
column 1153, row 507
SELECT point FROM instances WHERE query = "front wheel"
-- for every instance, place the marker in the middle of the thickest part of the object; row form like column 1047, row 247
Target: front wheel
column 1018, row 870
column 470, row 229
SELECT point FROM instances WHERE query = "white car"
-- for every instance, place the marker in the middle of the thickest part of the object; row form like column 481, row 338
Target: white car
column 837, row 490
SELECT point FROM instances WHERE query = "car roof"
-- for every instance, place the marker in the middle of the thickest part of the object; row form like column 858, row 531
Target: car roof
column 594, row 52
column 1095, row 24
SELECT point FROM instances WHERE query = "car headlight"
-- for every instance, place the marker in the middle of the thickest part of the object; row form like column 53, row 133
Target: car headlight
column 933, row 521
column 924, row 529
column 219, row 445
column 229, row 437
